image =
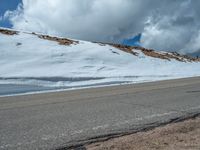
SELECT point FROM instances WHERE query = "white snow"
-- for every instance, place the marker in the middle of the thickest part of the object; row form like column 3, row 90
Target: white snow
column 27, row 59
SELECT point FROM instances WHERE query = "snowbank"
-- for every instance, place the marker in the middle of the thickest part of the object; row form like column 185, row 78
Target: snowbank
column 28, row 59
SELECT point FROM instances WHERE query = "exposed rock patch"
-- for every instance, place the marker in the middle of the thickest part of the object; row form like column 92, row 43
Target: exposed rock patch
column 8, row 32
column 153, row 53
column 124, row 48
column 61, row 41
column 167, row 55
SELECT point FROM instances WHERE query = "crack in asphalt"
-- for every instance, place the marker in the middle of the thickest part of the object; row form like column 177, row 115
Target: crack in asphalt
column 198, row 91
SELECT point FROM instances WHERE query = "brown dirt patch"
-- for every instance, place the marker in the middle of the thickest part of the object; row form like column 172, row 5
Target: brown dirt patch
column 167, row 55
column 8, row 32
column 178, row 136
column 124, row 48
column 152, row 53
column 61, row 41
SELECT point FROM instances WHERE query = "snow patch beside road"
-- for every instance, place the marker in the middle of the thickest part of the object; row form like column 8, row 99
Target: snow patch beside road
column 27, row 59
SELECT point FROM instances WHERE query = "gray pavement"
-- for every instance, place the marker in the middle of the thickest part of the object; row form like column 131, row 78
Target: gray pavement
column 62, row 119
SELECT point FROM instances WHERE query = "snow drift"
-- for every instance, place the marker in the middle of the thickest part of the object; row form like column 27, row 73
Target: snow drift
column 43, row 60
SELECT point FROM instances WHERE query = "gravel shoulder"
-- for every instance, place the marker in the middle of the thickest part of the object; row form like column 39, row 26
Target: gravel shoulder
column 177, row 136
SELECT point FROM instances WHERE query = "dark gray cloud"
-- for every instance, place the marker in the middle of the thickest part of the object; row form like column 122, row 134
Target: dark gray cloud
column 165, row 24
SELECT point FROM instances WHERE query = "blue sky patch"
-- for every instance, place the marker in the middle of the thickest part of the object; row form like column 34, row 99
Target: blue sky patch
column 7, row 5
column 134, row 41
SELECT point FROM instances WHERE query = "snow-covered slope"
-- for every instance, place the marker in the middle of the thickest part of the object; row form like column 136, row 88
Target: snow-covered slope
column 29, row 58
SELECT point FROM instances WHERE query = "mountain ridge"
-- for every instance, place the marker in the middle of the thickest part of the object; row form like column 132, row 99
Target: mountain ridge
column 29, row 58
column 129, row 49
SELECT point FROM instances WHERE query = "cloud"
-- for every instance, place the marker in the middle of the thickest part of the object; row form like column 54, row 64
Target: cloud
column 165, row 25
column 175, row 30
column 104, row 20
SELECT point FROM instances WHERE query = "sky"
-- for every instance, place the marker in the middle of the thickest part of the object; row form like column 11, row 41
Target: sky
column 6, row 5
column 170, row 25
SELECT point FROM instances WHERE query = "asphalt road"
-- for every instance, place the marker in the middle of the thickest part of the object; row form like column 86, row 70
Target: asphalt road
column 62, row 119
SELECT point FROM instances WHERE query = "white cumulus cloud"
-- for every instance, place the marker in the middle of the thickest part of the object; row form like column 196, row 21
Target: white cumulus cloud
column 164, row 24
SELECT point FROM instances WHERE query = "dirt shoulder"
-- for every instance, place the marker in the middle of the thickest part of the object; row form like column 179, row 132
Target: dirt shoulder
column 178, row 136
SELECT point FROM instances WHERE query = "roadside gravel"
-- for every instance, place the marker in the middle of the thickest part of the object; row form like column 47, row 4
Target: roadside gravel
column 177, row 136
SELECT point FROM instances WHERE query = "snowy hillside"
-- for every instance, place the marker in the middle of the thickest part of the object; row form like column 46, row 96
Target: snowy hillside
column 33, row 59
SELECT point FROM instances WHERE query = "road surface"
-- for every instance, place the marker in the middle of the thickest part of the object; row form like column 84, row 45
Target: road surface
column 63, row 119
